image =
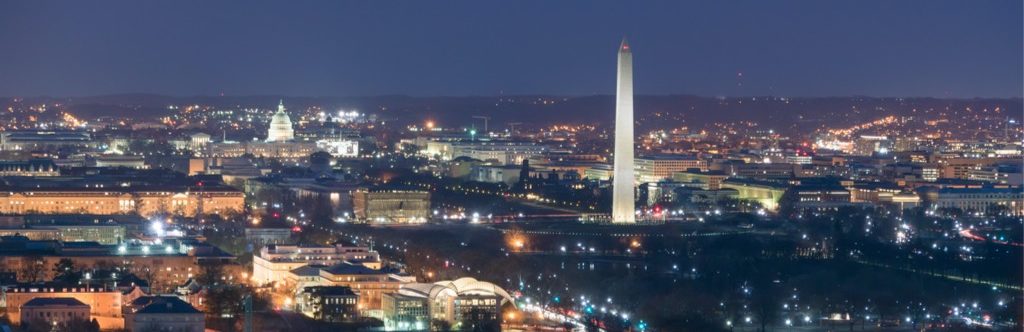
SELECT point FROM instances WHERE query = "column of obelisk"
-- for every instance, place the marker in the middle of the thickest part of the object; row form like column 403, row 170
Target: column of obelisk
column 623, row 200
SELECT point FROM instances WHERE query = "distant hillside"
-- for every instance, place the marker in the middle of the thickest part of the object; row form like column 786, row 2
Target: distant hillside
column 651, row 111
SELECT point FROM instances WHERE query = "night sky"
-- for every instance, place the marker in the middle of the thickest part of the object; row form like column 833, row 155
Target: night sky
column 427, row 48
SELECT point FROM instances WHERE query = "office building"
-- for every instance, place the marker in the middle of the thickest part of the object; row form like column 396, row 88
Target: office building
column 452, row 301
column 391, row 205
column 33, row 167
column 654, row 168
column 328, row 303
column 274, row 262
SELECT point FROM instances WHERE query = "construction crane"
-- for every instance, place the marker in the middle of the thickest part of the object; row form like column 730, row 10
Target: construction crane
column 485, row 118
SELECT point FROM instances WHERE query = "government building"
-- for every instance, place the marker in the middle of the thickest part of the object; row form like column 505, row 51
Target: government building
column 280, row 142
column 394, row 206
column 188, row 202
column 415, row 305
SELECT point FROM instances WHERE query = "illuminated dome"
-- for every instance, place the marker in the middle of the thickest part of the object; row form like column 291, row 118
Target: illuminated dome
column 280, row 126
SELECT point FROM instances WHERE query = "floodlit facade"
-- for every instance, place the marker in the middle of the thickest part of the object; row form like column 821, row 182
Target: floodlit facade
column 121, row 201
column 1008, row 201
column 451, row 301
column 102, row 303
column 623, row 194
column 274, row 262
column 504, row 152
column 765, row 193
column 391, row 205
column 53, row 311
column 34, row 167
column 654, row 168
column 280, row 126
column 164, row 313
column 328, row 303
column 107, row 234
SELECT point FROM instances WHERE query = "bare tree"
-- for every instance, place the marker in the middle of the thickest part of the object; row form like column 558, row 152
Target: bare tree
column 33, row 268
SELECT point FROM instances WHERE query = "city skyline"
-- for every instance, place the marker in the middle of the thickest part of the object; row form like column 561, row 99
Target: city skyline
column 479, row 166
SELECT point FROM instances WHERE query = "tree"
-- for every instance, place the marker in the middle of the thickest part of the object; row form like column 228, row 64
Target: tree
column 787, row 203
column 224, row 301
column 440, row 325
column 765, row 301
column 33, row 268
column 210, row 273
column 524, row 175
column 149, row 274
column 65, row 270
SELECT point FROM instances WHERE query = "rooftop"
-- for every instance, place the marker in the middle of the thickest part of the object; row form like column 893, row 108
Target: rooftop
column 329, row 290
column 164, row 305
column 349, row 269
column 54, row 301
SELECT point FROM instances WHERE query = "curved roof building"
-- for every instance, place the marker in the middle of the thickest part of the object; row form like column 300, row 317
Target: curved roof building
column 450, row 300
column 280, row 126
column 455, row 288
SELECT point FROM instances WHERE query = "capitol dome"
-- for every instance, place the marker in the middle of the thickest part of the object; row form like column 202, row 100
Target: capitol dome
column 280, row 126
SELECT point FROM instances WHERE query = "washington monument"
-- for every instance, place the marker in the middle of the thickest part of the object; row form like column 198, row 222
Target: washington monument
column 623, row 199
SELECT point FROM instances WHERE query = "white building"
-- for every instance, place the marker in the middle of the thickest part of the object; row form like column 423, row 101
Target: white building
column 280, row 126
column 980, row 200
column 341, row 148
column 504, row 152
column 275, row 261
column 654, row 168
column 452, row 301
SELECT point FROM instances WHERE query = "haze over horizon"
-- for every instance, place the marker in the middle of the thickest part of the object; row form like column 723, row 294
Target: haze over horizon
column 881, row 49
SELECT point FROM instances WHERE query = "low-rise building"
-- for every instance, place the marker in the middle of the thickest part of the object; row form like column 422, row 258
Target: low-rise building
column 328, row 303
column 187, row 200
column 654, row 168
column 504, row 152
column 369, row 285
column 766, row 193
column 274, row 262
column 1008, row 201
column 385, row 205
column 403, row 312
column 164, row 266
column 102, row 303
column 710, row 180
column 285, row 150
column 46, row 140
column 262, row 236
column 456, row 301
column 163, row 313
column 507, row 174
column 32, row 167
column 53, row 312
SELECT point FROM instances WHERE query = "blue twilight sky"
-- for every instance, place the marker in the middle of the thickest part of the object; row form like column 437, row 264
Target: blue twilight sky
column 426, row 48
